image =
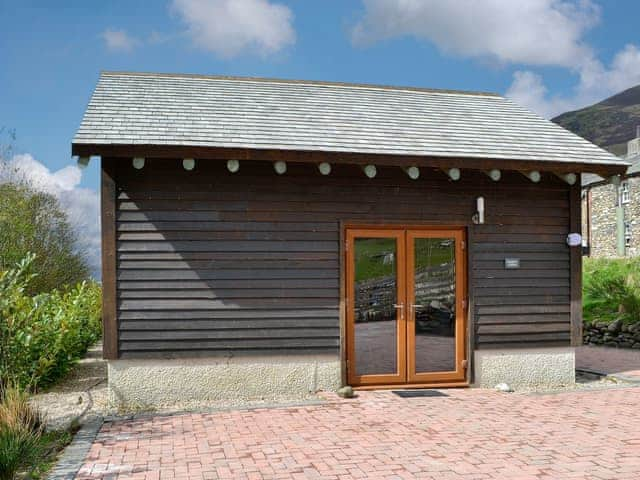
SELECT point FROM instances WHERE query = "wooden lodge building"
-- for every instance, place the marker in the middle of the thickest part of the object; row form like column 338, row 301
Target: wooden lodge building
column 270, row 238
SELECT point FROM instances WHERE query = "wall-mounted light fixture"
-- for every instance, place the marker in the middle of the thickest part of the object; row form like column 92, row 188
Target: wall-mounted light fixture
column 574, row 240
column 83, row 162
column 478, row 217
column 138, row 163
column 189, row 164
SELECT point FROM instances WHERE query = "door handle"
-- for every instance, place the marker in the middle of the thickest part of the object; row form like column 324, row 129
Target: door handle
column 417, row 305
column 401, row 307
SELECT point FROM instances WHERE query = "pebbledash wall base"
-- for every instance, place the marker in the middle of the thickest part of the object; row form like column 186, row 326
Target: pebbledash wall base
column 236, row 379
column 525, row 368
column 280, row 378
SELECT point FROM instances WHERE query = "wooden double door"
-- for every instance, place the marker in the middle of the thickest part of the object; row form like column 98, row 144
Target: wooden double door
column 406, row 306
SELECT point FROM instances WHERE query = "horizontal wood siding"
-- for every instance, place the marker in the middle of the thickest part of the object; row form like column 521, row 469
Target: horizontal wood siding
column 210, row 262
column 529, row 306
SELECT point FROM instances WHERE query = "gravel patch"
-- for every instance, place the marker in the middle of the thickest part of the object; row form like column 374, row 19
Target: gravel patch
column 83, row 392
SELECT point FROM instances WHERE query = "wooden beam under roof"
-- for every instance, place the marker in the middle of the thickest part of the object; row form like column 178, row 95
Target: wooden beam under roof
column 303, row 156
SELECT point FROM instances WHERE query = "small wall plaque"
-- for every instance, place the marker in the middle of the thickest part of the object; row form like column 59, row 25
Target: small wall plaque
column 511, row 263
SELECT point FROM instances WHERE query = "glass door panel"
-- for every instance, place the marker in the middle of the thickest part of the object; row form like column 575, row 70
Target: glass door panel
column 435, row 320
column 377, row 331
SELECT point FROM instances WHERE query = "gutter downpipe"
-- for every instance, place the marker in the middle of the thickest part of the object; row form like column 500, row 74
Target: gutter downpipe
column 620, row 247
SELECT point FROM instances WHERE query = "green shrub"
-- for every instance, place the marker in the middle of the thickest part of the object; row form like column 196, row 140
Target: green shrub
column 20, row 432
column 42, row 336
column 611, row 290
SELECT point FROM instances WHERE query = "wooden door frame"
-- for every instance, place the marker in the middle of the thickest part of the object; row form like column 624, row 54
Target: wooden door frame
column 459, row 374
column 464, row 338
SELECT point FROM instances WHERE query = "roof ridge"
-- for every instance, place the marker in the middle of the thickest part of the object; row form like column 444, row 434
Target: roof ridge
column 304, row 82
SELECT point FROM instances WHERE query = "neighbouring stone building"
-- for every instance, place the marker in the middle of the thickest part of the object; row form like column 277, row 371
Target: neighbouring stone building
column 611, row 210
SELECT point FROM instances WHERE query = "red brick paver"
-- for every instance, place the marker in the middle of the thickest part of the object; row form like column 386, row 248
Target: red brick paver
column 609, row 360
column 471, row 434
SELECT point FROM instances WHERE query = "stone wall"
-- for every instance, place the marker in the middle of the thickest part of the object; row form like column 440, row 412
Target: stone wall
column 614, row 334
column 603, row 219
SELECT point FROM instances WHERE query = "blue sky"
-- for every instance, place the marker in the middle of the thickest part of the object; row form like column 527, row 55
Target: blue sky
column 550, row 55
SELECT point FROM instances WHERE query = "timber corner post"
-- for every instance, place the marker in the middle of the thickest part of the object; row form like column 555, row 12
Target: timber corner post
column 575, row 212
column 108, row 224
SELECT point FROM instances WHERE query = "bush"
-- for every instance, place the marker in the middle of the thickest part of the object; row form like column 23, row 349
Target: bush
column 33, row 221
column 42, row 336
column 20, row 432
column 611, row 290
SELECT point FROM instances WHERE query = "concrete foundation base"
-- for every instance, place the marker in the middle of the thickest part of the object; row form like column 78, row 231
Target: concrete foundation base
column 525, row 368
column 137, row 383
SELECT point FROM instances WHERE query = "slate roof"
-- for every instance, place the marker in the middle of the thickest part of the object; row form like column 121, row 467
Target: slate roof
column 193, row 110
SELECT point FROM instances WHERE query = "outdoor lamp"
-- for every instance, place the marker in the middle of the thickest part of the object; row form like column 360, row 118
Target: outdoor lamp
column 574, row 239
column 478, row 218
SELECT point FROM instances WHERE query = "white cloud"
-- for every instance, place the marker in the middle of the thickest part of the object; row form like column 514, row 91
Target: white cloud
column 81, row 204
column 528, row 90
column 119, row 40
column 534, row 32
column 231, row 27
column 595, row 83
column 523, row 32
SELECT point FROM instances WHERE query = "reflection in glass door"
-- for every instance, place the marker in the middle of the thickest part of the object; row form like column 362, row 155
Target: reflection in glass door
column 435, row 323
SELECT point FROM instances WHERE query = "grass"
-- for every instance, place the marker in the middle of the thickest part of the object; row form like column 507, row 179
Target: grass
column 50, row 445
column 611, row 290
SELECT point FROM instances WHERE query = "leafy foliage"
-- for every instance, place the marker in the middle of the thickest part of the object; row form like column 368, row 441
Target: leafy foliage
column 42, row 335
column 33, row 221
column 611, row 289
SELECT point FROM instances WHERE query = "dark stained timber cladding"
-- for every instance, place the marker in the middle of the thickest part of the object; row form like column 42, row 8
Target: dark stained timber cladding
column 530, row 305
column 210, row 262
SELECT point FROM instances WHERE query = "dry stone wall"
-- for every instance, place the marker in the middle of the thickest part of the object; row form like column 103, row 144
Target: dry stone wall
column 614, row 334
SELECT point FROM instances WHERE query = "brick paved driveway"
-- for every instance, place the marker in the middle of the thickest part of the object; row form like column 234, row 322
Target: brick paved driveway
column 470, row 434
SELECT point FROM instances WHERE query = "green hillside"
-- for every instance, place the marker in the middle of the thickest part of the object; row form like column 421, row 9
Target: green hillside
column 610, row 123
